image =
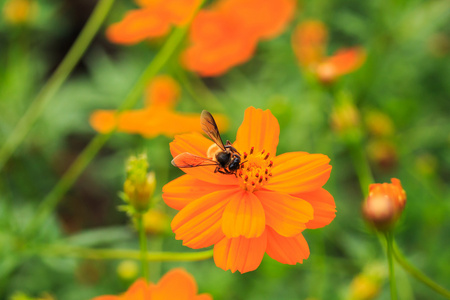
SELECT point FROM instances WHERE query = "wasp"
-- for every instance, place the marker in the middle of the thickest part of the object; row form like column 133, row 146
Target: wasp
column 227, row 160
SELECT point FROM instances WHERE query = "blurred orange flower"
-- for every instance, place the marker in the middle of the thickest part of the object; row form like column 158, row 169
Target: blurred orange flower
column 227, row 34
column 309, row 43
column 385, row 204
column 176, row 284
column 158, row 117
column 154, row 19
column 263, row 209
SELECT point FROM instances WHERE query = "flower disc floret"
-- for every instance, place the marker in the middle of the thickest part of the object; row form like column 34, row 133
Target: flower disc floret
column 255, row 170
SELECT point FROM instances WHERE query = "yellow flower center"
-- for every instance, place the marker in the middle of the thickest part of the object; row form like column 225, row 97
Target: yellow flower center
column 255, row 170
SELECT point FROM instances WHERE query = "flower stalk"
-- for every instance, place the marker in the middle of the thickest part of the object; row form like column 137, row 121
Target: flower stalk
column 143, row 245
column 56, row 80
column 389, row 241
column 408, row 267
column 53, row 198
column 102, row 254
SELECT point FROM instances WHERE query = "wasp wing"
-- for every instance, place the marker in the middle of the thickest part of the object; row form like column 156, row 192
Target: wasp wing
column 189, row 160
column 209, row 126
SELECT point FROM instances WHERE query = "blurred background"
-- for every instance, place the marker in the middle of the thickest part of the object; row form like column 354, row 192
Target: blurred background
column 395, row 103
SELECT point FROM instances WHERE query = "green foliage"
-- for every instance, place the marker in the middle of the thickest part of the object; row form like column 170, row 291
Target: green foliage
column 406, row 77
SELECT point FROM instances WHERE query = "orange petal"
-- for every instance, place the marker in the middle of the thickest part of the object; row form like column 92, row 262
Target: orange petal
column 324, row 207
column 217, row 44
column 199, row 223
column 107, row 297
column 243, row 216
column 240, row 253
column 203, row 297
column 103, row 121
column 343, row 62
column 260, row 130
column 287, row 215
column 264, row 19
column 140, row 290
column 309, row 41
column 138, row 25
column 216, row 60
column 286, row 250
column 162, row 93
column 176, row 284
column 180, row 192
column 197, row 144
column 181, row 10
column 297, row 172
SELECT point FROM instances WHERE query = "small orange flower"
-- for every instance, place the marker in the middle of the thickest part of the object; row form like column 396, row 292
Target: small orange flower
column 227, row 34
column 154, row 19
column 263, row 209
column 176, row 284
column 158, row 117
column 309, row 43
column 385, row 204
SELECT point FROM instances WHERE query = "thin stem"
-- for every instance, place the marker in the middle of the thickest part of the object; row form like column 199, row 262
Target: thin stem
column 389, row 240
column 143, row 245
column 52, row 199
column 361, row 164
column 399, row 257
column 56, row 80
column 87, row 253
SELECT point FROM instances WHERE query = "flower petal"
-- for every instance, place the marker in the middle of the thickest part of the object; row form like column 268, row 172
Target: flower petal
column 297, row 172
column 286, row 250
column 240, row 253
column 103, row 121
column 198, row 145
column 181, row 191
column 199, row 223
column 260, row 129
column 176, row 284
column 324, row 207
column 287, row 215
column 243, row 216
column 137, row 25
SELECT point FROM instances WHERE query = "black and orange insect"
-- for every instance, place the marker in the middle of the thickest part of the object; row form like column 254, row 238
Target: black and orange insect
column 227, row 160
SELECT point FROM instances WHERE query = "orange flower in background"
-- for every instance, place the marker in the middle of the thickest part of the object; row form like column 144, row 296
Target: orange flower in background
column 154, row 19
column 263, row 209
column 158, row 117
column 385, row 204
column 309, row 43
column 176, row 284
column 227, row 34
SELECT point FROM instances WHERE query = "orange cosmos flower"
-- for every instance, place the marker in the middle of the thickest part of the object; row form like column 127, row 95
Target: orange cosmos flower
column 158, row 117
column 176, row 284
column 227, row 34
column 263, row 209
column 385, row 204
column 154, row 19
column 309, row 42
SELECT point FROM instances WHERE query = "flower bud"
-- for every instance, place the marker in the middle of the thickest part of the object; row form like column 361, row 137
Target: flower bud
column 19, row 11
column 156, row 221
column 127, row 269
column 385, row 204
column 367, row 284
column 139, row 186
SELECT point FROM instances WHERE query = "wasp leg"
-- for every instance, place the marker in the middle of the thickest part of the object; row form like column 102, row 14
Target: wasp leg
column 230, row 146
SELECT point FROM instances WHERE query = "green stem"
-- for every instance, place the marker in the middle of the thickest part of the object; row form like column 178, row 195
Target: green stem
column 52, row 199
column 399, row 257
column 56, row 80
column 143, row 245
column 87, row 253
column 360, row 163
column 389, row 241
